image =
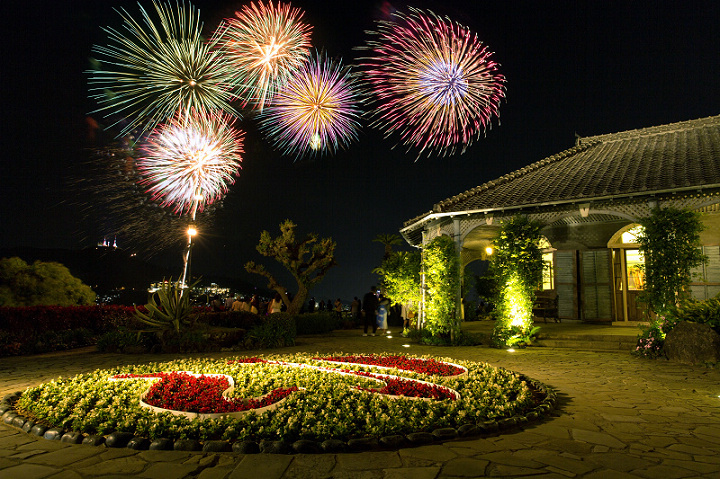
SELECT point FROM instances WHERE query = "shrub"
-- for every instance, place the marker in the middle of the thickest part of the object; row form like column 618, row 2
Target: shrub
column 231, row 319
column 38, row 329
column 707, row 312
column 462, row 338
column 124, row 340
column 317, row 323
column 275, row 331
column 651, row 340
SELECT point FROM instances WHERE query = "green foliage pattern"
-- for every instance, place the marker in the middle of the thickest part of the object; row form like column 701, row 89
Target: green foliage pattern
column 517, row 267
column 442, row 275
column 401, row 277
column 670, row 242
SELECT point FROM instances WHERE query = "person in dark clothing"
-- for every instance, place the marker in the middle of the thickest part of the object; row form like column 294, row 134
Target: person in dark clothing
column 370, row 306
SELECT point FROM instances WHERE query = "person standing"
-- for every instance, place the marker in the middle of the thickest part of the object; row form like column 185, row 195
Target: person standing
column 255, row 304
column 237, row 305
column 370, row 306
column 276, row 304
column 338, row 308
column 383, row 311
column 355, row 310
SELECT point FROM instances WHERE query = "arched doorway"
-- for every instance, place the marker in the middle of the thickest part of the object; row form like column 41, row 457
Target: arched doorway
column 628, row 277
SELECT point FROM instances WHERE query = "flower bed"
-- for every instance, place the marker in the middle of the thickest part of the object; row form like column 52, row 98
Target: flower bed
column 320, row 400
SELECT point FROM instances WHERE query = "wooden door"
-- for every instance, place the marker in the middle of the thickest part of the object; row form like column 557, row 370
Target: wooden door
column 595, row 289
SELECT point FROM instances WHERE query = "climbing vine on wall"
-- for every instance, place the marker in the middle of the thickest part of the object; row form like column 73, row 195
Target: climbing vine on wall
column 441, row 265
column 517, row 267
column 669, row 241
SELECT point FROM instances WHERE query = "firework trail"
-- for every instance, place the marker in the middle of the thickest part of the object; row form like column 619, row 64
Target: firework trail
column 111, row 203
column 266, row 43
column 435, row 83
column 317, row 111
column 190, row 161
column 151, row 69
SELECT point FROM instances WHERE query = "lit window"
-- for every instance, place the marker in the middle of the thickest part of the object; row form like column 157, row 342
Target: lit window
column 635, row 272
column 631, row 235
column 547, row 275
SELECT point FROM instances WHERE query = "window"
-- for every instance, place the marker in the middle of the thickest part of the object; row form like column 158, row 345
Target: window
column 630, row 236
column 547, row 274
column 635, row 273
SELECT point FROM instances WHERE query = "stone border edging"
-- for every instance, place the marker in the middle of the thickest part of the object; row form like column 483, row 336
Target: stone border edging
column 119, row 439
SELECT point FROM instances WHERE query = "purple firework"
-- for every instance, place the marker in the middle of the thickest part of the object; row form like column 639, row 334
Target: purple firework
column 316, row 112
column 435, row 83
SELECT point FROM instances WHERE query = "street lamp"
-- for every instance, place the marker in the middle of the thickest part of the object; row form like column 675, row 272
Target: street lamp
column 191, row 232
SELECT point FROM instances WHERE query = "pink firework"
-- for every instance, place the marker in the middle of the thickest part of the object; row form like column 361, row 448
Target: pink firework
column 190, row 161
column 265, row 43
column 436, row 85
column 317, row 111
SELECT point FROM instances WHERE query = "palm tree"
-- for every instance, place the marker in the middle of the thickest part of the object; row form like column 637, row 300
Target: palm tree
column 388, row 240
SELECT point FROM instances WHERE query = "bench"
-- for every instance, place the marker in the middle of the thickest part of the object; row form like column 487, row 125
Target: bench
column 546, row 306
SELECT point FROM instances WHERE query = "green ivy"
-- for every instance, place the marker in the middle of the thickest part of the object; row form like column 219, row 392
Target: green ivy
column 669, row 241
column 401, row 277
column 442, row 275
column 517, row 267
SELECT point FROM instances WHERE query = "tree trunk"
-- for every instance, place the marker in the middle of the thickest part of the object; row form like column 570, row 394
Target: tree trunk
column 298, row 300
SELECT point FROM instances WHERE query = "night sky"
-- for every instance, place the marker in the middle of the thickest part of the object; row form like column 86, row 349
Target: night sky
column 581, row 67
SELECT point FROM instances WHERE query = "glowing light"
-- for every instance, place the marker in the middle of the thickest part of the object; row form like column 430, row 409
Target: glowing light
column 510, row 350
column 150, row 69
column 436, row 85
column 489, row 250
column 519, row 308
column 316, row 112
column 192, row 231
column 405, row 345
column 194, row 156
column 266, row 44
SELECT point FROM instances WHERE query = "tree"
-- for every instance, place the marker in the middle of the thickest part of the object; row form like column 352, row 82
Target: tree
column 388, row 240
column 42, row 283
column 401, row 277
column 517, row 267
column 308, row 260
column 669, row 241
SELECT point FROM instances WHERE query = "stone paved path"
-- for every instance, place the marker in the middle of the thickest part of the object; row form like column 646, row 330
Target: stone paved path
column 618, row 417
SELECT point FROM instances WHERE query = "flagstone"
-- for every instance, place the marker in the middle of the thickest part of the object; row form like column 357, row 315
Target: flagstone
column 465, row 467
column 265, row 466
column 597, row 438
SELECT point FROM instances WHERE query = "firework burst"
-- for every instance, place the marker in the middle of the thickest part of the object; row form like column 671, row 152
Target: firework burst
column 190, row 161
column 151, row 69
column 316, row 111
column 266, row 43
column 436, row 85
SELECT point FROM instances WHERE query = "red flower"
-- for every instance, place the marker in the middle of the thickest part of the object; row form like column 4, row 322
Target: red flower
column 180, row 391
column 425, row 366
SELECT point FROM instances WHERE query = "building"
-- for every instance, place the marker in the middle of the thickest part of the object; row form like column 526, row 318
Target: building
column 588, row 199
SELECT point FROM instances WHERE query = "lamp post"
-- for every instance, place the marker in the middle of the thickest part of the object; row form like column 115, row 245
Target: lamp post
column 191, row 232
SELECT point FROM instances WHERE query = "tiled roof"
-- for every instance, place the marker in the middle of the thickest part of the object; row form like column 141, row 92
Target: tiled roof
column 660, row 158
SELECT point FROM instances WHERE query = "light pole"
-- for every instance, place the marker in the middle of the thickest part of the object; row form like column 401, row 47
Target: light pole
column 191, row 232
